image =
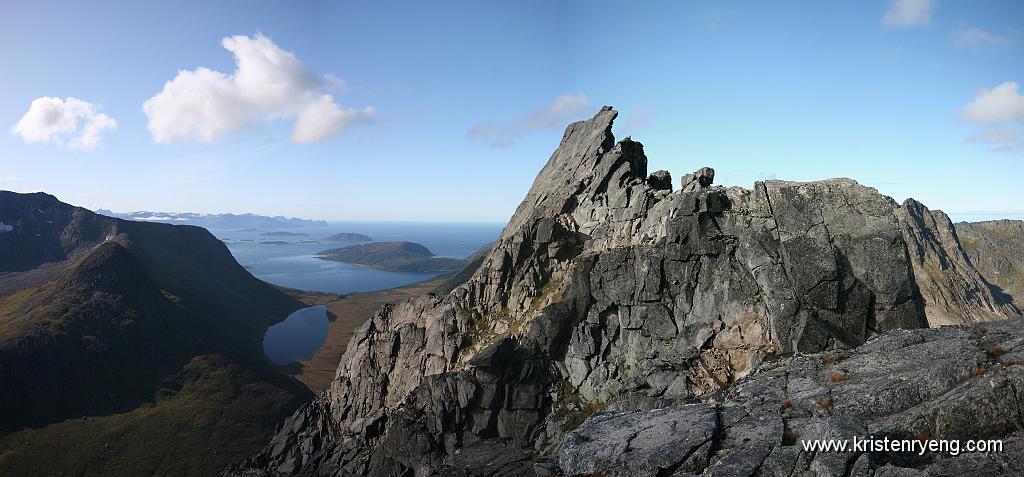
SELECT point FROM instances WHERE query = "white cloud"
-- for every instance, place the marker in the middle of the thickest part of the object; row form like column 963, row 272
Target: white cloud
column 999, row 140
column 1000, row 105
column 555, row 115
column 995, row 136
column 268, row 83
column 995, row 107
column 978, row 38
column 908, row 13
column 69, row 122
column 323, row 119
column 1009, row 147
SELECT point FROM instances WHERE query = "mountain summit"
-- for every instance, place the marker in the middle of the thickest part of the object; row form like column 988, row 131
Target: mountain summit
column 611, row 293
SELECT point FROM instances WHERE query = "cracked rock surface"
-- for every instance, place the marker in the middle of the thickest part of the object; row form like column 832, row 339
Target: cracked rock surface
column 946, row 383
column 620, row 327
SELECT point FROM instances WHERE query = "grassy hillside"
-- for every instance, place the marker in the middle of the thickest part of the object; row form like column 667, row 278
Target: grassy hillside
column 214, row 411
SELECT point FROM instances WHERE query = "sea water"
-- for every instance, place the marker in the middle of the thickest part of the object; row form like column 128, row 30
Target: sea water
column 290, row 260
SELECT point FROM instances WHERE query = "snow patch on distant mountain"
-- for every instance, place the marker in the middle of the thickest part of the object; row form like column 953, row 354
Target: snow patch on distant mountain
column 215, row 221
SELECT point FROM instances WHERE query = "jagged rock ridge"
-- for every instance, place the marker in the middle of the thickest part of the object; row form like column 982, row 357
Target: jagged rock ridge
column 954, row 290
column 606, row 288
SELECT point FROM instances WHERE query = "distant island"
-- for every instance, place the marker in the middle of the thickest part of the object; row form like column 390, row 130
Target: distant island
column 248, row 222
column 347, row 237
column 393, row 256
column 284, row 234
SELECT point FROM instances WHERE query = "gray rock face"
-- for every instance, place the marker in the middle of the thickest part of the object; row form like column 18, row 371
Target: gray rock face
column 701, row 179
column 660, row 180
column 641, row 443
column 922, row 384
column 607, row 290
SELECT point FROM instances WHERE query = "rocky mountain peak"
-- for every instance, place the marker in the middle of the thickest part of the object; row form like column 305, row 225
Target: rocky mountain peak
column 576, row 167
column 700, row 179
column 607, row 288
column 42, row 229
column 953, row 290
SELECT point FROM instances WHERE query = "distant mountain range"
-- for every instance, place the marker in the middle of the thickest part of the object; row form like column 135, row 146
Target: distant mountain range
column 215, row 221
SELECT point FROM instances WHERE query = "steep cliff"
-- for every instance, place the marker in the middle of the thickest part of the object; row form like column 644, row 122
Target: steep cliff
column 607, row 289
column 953, row 289
column 996, row 248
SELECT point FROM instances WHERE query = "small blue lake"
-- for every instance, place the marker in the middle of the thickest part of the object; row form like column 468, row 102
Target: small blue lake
column 298, row 337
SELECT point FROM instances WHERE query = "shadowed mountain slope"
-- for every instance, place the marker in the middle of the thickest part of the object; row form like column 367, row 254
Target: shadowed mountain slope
column 99, row 316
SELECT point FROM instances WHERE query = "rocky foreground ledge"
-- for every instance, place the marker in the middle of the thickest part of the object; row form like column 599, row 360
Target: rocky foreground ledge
column 961, row 383
column 621, row 326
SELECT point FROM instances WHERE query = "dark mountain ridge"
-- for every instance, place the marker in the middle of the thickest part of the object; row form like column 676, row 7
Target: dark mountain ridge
column 98, row 315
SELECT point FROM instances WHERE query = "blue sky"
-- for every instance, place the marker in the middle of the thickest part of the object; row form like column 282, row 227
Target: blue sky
column 447, row 110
